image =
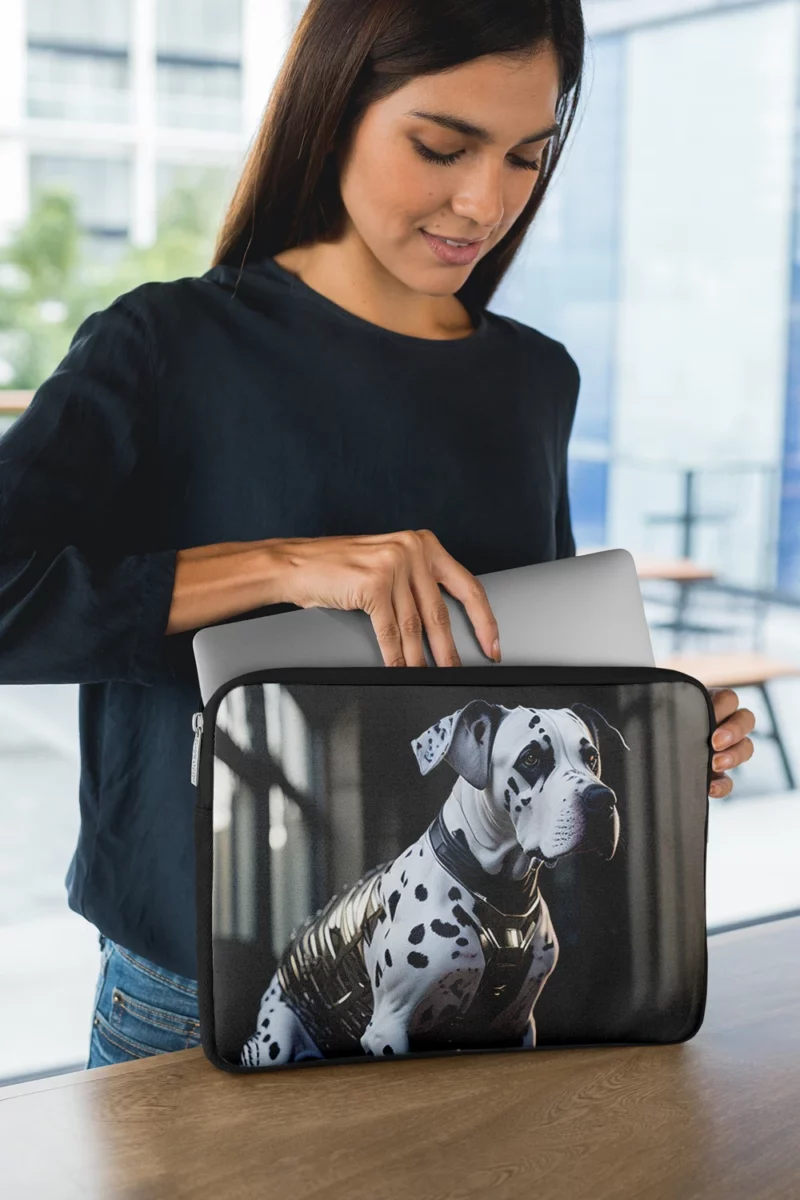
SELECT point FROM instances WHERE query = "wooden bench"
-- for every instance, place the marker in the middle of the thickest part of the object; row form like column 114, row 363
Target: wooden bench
column 740, row 670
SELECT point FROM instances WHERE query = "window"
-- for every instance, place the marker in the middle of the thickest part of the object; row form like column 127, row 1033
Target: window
column 670, row 281
column 101, row 187
column 199, row 95
column 78, row 62
column 91, row 22
column 75, row 86
column 198, row 67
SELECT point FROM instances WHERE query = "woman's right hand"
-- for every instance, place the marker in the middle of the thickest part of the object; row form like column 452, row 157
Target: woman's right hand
column 394, row 578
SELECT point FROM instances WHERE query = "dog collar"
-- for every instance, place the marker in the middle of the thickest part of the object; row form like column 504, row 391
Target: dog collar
column 517, row 897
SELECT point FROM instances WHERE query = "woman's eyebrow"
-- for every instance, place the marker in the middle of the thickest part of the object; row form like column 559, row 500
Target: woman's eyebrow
column 459, row 125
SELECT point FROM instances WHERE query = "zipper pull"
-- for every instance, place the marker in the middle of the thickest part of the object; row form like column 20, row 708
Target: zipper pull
column 197, row 726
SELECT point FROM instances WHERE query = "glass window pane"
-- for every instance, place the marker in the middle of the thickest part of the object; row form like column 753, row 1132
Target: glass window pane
column 202, row 28
column 105, row 22
column 199, row 97
column 77, row 87
column 101, row 187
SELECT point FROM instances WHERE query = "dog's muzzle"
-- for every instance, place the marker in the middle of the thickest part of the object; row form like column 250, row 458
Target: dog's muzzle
column 602, row 824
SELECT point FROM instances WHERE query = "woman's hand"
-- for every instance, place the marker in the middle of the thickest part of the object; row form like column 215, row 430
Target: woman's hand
column 729, row 738
column 394, row 578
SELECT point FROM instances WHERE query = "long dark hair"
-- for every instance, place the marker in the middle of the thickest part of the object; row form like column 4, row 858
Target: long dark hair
column 344, row 56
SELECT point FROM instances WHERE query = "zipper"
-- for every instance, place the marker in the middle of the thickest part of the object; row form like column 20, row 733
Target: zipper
column 197, row 726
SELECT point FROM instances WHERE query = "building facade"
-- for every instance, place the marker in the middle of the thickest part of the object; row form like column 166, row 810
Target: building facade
column 121, row 99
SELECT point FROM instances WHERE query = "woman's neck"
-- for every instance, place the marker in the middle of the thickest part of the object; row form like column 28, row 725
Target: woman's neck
column 350, row 277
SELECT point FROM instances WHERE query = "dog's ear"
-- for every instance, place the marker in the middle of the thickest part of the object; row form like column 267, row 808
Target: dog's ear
column 588, row 714
column 464, row 739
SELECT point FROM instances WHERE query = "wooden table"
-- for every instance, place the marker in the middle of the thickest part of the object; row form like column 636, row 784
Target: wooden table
column 739, row 670
column 716, row 1117
column 734, row 669
column 684, row 573
column 677, row 570
column 13, row 403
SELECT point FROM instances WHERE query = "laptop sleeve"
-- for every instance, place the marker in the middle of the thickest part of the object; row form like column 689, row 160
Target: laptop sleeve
column 417, row 861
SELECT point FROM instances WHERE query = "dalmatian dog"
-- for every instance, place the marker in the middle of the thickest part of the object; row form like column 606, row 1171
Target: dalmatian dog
column 459, row 913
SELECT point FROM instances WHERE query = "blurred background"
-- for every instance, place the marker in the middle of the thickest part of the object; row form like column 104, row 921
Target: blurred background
column 666, row 257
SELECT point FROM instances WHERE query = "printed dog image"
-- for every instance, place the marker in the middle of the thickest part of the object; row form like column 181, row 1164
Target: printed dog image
column 449, row 945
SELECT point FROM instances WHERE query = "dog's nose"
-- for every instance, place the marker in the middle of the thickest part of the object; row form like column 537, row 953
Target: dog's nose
column 598, row 798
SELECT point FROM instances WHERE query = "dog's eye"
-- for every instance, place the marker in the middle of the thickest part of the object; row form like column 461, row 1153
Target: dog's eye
column 530, row 757
column 592, row 759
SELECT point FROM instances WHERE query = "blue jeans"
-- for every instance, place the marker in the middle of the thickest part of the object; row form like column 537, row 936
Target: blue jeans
column 140, row 1009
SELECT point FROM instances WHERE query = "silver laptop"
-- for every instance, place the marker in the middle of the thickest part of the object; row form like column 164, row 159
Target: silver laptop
column 580, row 611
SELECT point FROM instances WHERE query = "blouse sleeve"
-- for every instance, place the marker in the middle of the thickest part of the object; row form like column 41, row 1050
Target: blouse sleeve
column 81, row 598
column 565, row 540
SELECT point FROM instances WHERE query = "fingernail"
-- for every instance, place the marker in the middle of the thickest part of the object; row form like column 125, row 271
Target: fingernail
column 496, row 650
column 722, row 738
column 721, row 761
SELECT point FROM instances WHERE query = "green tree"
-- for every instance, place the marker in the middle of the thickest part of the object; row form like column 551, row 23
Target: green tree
column 50, row 278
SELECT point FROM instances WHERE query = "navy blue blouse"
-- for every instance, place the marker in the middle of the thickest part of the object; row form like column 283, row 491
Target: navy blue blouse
column 238, row 406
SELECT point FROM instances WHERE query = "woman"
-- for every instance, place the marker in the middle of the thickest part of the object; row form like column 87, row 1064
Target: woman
column 328, row 417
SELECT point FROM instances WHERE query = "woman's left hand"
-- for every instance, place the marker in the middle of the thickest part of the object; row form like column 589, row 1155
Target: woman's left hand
column 729, row 738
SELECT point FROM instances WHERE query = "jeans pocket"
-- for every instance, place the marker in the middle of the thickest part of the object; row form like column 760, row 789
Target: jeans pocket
column 149, row 1028
column 144, row 1009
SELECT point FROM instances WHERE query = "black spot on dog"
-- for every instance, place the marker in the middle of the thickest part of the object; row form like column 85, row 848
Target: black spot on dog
column 512, row 783
column 394, row 899
column 421, row 892
column 417, row 934
column 406, row 854
column 506, row 801
column 388, row 958
column 454, row 893
column 533, row 721
column 463, row 917
column 546, row 737
column 403, row 879
column 517, row 808
column 266, row 1037
column 265, row 1023
column 274, row 1050
column 420, row 851
column 456, row 954
column 444, row 928
column 388, row 1050
column 526, row 799
column 377, row 975
column 415, row 959
column 462, row 941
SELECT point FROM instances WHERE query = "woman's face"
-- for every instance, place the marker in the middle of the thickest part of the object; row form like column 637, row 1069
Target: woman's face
column 392, row 189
